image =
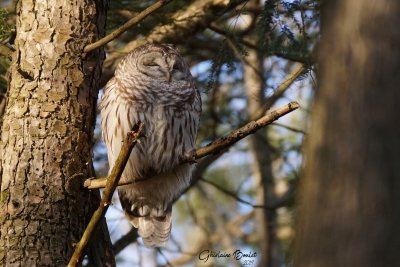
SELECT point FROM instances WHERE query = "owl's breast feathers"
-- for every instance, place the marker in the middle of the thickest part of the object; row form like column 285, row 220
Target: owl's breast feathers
column 171, row 123
column 170, row 110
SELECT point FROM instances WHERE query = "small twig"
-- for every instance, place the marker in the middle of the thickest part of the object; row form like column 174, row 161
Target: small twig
column 214, row 27
column 112, row 182
column 220, row 144
column 243, row 58
column 165, row 257
column 125, row 240
column 279, row 202
column 132, row 22
column 281, row 89
column 232, row 194
column 290, row 128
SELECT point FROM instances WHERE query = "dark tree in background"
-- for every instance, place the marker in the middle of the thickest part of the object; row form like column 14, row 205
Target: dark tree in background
column 248, row 57
column 349, row 211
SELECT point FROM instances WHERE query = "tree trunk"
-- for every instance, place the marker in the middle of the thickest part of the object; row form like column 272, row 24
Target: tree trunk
column 349, row 213
column 265, row 220
column 46, row 142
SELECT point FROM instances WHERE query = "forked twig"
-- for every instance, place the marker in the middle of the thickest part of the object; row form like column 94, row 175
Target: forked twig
column 112, row 182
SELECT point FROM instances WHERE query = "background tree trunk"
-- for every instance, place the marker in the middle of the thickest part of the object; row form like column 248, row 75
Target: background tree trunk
column 46, row 143
column 265, row 219
column 349, row 202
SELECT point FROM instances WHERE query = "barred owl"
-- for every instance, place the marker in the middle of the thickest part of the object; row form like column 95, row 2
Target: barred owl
column 152, row 84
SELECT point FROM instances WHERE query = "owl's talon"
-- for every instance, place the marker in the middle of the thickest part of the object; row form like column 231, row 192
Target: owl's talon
column 133, row 134
column 144, row 210
column 133, row 207
column 156, row 212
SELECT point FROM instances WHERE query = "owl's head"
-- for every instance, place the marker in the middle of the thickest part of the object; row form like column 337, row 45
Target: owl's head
column 158, row 62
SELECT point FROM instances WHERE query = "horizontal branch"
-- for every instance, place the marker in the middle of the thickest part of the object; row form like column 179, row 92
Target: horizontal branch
column 112, row 182
column 132, row 22
column 218, row 145
column 244, row 131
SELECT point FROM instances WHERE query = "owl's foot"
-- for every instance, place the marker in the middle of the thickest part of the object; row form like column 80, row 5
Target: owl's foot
column 159, row 210
column 143, row 210
column 189, row 156
column 140, row 209
column 137, row 131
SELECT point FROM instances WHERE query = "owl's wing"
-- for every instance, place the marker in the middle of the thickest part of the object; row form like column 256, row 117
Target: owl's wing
column 116, row 120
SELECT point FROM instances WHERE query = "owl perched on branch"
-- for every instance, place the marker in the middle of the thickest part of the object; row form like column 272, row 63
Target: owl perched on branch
column 152, row 84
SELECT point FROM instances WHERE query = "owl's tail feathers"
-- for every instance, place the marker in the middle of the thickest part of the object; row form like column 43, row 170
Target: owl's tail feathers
column 155, row 231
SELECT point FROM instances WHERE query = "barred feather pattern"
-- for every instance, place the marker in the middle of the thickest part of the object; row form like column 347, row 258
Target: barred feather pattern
column 152, row 84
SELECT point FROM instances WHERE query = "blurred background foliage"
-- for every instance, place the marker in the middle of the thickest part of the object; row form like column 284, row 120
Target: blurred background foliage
column 242, row 198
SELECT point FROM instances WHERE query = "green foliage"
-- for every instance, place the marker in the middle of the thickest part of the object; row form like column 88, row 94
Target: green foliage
column 226, row 57
column 290, row 32
column 265, row 23
column 4, row 65
column 5, row 27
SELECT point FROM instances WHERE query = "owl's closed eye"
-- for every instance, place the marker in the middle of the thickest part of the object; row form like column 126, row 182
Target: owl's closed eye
column 164, row 67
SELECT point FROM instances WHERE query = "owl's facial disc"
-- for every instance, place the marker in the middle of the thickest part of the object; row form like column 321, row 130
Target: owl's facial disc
column 166, row 67
column 154, row 65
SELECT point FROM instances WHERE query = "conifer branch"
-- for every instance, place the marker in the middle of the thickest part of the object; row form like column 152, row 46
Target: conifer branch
column 194, row 18
column 218, row 145
column 112, row 182
column 132, row 22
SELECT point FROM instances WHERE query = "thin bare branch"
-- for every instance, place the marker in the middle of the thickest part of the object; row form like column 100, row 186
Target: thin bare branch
column 232, row 194
column 168, row 263
column 281, row 89
column 112, row 182
column 290, row 128
column 273, row 204
column 218, row 145
column 214, row 27
column 125, row 240
column 132, row 22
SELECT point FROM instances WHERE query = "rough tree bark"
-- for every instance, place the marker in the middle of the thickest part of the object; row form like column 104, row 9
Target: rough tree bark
column 349, row 211
column 47, row 132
